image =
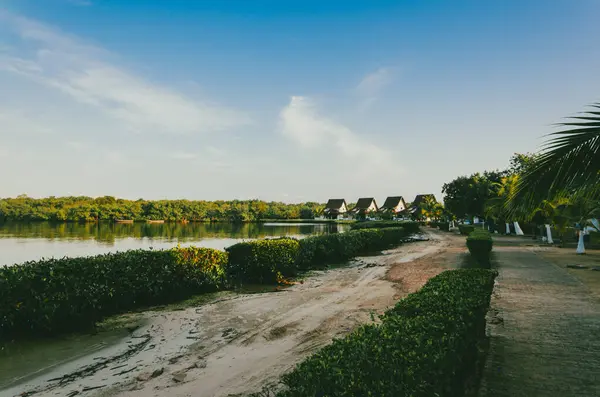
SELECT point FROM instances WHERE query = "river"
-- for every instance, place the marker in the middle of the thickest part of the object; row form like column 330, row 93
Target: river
column 21, row 242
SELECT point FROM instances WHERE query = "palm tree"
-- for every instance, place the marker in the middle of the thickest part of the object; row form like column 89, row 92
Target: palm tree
column 563, row 212
column 496, row 207
column 568, row 163
column 431, row 209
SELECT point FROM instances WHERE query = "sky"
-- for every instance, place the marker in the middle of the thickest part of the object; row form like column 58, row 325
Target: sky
column 297, row 100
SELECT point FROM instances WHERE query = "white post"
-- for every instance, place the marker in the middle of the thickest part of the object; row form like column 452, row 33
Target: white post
column 580, row 245
column 518, row 230
column 549, row 234
column 507, row 228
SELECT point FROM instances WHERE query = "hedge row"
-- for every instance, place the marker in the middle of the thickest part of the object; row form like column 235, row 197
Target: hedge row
column 480, row 245
column 427, row 345
column 266, row 261
column 465, row 230
column 409, row 226
column 261, row 261
column 59, row 295
column 318, row 251
column 443, row 226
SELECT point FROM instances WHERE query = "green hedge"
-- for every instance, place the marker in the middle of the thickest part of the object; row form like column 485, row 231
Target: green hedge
column 62, row 295
column 319, row 251
column 466, row 229
column 427, row 345
column 262, row 261
column 58, row 295
column 444, row 226
column 480, row 245
column 410, row 227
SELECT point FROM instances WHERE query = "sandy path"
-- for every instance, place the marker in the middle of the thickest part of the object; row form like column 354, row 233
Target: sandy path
column 238, row 345
column 544, row 326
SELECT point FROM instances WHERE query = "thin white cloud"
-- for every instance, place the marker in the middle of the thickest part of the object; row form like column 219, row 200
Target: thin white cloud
column 373, row 84
column 85, row 73
column 301, row 122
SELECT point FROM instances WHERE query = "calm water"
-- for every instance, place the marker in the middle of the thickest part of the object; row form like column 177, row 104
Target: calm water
column 20, row 242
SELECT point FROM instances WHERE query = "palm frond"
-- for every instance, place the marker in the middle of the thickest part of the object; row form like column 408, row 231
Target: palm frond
column 569, row 161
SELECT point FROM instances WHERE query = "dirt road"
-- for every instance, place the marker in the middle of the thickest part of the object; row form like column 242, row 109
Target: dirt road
column 240, row 344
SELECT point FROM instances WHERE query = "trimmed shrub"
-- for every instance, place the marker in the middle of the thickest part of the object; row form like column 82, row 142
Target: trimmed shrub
column 427, row 345
column 205, row 267
column 465, row 230
column 262, row 261
column 480, row 244
column 444, row 226
column 320, row 251
column 59, row 295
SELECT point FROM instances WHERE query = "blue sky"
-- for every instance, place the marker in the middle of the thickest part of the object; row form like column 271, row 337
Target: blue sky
column 282, row 100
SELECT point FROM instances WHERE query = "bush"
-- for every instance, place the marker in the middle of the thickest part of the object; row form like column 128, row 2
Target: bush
column 465, row 230
column 58, row 295
column 409, row 226
column 320, row 251
column 427, row 345
column 63, row 295
column 444, row 226
column 480, row 244
column 262, row 261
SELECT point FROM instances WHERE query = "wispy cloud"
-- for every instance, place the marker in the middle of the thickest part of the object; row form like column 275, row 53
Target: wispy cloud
column 86, row 74
column 301, row 122
column 373, row 84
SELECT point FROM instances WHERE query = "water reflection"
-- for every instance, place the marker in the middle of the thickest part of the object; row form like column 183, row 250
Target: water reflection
column 21, row 242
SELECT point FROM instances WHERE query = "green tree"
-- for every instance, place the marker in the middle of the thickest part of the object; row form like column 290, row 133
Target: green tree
column 466, row 196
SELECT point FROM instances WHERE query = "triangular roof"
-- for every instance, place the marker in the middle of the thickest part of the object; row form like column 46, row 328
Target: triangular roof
column 364, row 203
column 335, row 204
column 391, row 202
column 421, row 197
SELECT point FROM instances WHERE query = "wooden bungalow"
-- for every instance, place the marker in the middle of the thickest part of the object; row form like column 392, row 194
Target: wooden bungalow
column 364, row 206
column 394, row 205
column 335, row 209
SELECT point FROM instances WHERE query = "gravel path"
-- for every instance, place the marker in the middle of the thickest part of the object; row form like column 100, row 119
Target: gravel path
column 545, row 331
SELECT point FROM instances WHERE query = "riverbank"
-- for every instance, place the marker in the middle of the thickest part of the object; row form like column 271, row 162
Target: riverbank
column 239, row 343
column 56, row 296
